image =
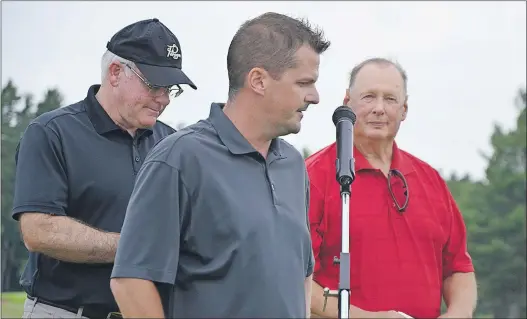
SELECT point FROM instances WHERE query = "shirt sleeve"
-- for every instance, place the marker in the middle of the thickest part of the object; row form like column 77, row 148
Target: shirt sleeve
column 40, row 173
column 150, row 237
column 316, row 224
column 311, row 261
column 455, row 254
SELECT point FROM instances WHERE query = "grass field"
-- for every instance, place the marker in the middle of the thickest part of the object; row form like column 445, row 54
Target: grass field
column 13, row 304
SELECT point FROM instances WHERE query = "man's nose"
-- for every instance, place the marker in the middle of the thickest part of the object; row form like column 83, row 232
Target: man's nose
column 313, row 98
column 163, row 99
column 378, row 106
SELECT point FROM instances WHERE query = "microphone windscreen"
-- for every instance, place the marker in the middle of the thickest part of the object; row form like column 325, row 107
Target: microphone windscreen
column 343, row 112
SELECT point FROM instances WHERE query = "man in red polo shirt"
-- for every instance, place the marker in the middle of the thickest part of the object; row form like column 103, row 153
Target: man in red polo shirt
column 407, row 236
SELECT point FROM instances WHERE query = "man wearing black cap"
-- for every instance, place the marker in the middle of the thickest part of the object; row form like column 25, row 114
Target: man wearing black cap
column 75, row 171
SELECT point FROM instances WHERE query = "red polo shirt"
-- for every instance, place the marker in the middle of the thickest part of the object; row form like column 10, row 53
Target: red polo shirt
column 398, row 261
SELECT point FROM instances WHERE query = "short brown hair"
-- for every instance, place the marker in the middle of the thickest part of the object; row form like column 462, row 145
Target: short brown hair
column 269, row 41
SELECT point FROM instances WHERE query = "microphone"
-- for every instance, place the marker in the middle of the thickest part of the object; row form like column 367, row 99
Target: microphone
column 344, row 119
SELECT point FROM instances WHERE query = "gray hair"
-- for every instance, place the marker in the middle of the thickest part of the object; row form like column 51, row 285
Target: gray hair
column 269, row 41
column 108, row 58
column 358, row 67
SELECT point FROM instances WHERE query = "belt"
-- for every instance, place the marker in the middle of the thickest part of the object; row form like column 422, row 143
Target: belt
column 89, row 312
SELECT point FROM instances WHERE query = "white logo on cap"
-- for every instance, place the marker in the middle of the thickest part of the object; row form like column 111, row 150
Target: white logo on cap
column 172, row 51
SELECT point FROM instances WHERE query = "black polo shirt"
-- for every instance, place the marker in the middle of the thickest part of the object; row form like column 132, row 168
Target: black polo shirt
column 226, row 227
column 76, row 162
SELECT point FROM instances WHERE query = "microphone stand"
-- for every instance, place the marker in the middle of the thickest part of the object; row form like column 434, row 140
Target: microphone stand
column 345, row 176
column 343, row 293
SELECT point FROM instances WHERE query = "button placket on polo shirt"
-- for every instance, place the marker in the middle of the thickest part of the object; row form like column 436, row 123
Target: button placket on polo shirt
column 268, row 164
column 136, row 157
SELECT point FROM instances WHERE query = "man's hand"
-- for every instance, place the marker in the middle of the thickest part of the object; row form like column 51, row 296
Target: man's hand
column 331, row 311
column 374, row 315
column 388, row 314
column 452, row 314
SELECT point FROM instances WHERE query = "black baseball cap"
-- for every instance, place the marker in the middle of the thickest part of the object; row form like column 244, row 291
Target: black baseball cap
column 154, row 49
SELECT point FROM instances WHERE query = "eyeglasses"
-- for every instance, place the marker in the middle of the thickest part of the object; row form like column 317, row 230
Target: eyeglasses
column 396, row 181
column 158, row 91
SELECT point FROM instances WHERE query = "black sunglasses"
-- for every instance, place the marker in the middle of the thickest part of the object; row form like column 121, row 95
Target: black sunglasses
column 398, row 175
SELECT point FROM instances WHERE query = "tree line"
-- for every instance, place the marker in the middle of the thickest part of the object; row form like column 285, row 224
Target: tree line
column 494, row 207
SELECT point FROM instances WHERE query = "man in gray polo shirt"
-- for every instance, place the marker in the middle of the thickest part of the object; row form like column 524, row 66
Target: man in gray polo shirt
column 218, row 212
column 76, row 168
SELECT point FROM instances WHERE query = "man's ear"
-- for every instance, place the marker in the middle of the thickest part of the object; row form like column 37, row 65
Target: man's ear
column 257, row 80
column 114, row 73
column 346, row 97
column 405, row 111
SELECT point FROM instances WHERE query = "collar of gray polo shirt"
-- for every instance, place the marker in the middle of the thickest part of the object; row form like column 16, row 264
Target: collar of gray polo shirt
column 232, row 138
column 100, row 119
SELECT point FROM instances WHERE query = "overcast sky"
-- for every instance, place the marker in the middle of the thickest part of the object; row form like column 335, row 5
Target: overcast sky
column 465, row 61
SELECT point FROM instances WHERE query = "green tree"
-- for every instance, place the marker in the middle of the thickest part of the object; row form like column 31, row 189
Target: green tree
column 494, row 211
column 17, row 111
column 306, row 152
column 503, row 257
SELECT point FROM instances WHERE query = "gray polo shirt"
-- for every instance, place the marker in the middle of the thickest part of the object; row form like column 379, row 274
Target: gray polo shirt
column 223, row 225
